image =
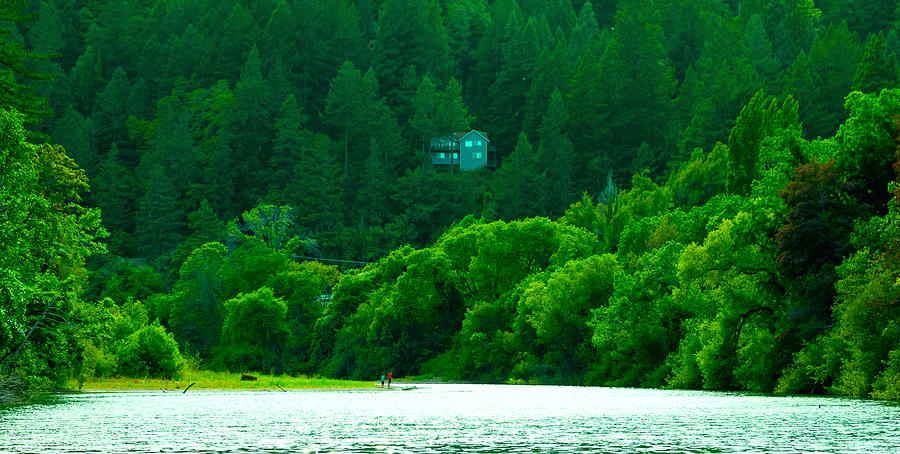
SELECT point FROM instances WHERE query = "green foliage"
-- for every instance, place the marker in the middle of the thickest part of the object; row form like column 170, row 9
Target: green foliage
column 149, row 352
column 274, row 129
column 254, row 332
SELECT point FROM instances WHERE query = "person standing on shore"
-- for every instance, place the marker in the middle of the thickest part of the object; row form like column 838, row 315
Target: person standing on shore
column 390, row 377
column 382, row 380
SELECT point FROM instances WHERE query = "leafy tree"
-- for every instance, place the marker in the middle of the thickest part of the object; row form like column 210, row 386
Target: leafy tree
column 254, row 332
column 867, row 143
column 559, row 309
column 47, row 236
column 761, row 118
column 820, row 217
column 196, row 311
column 149, row 352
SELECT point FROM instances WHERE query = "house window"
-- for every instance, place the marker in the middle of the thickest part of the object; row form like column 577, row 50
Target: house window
column 456, row 156
column 442, row 156
column 468, row 143
column 478, row 143
column 477, row 155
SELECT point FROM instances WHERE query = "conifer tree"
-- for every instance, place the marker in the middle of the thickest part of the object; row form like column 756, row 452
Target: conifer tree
column 111, row 109
column 114, row 194
column 585, row 35
column 506, row 109
column 553, row 71
column 760, row 51
column 638, row 84
column 877, row 67
column 159, row 220
column 452, row 114
column 517, row 188
column 821, row 79
column 588, row 128
column 557, row 156
column 16, row 63
column 411, row 36
column 291, row 144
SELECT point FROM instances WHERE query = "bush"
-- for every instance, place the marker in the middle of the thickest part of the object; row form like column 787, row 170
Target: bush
column 149, row 352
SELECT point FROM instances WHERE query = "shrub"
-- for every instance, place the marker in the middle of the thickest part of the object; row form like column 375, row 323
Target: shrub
column 149, row 352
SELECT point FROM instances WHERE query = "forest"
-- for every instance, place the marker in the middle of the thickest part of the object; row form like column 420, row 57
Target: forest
column 697, row 194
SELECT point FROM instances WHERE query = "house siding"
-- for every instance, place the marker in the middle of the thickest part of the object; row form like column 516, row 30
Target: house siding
column 472, row 151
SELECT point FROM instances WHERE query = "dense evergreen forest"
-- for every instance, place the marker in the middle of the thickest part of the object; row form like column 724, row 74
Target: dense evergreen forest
column 691, row 193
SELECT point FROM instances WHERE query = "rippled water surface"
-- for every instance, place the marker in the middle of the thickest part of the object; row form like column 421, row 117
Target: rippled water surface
column 449, row 418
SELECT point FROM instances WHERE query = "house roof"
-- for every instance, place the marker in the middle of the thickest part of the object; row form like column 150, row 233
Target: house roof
column 460, row 135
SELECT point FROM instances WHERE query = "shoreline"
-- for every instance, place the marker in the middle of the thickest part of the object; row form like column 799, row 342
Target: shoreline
column 212, row 381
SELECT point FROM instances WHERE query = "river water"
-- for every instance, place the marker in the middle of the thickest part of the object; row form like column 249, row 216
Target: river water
column 449, row 418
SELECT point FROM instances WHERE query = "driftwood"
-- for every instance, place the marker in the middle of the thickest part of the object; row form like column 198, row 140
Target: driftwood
column 245, row 377
column 282, row 389
column 189, row 387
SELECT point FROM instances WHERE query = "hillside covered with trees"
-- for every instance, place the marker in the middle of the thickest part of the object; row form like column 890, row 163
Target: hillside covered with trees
column 691, row 193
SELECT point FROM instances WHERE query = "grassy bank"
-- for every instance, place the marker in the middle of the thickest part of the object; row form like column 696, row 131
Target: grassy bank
column 205, row 379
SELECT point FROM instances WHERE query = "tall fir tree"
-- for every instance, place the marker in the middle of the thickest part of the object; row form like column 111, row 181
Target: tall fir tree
column 588, row 111
column 821, row 79
column 557, row 156
column 415, row 43
column 517, row 187
column 159, row 218
column 291, row 144
column 877, row 67
column 17, row 73
column 639, row 86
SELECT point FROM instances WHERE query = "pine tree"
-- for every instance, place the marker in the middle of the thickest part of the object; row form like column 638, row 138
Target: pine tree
column 760, row 51
column 820, row 80
column 638, row 84
column 586, row 33
column 411, row 37
column 517, row 188
column 249, row 127
column 74, row 132
column 292, row 142
column 877, row 68
column 506, row 109
column 159, row 219
column 111, row 110
column 356, row 113
column 16, row 63
column 452, row 114
column 553, row 71
column 423, row 122
column 317, row 189
column 588, row 127
column 114, row 194
column 557, row 156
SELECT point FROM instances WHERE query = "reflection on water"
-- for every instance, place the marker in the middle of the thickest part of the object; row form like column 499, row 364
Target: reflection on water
column 450, row 418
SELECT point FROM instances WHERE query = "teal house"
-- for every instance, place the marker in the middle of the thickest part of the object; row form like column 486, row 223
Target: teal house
column 466, row 151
